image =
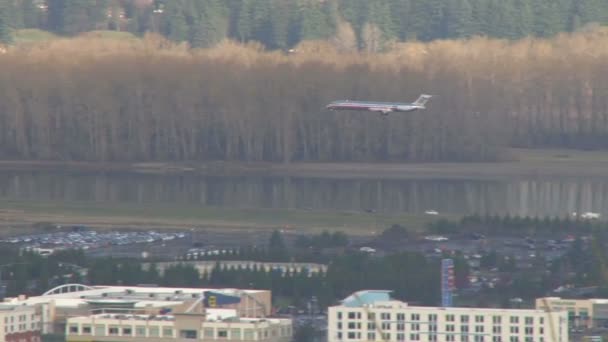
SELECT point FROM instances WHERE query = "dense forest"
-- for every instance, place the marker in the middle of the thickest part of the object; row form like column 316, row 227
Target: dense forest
column 153, row 100
column 371, row 25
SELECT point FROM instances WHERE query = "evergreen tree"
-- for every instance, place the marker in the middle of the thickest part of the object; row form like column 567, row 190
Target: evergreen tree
column 209, row 23
column 313, row 22
column 175, row 25
column 15, row 15
column 459, row 19
column 277, row 250
column 244, row 23
column 524, row 18
column 30, row 14
column 261, row 24
column 5, row 28
column 547, row 15
column 280, row 23
column 380, row 15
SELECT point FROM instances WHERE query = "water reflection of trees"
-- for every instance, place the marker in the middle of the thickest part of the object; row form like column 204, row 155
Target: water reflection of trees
column 529, row 197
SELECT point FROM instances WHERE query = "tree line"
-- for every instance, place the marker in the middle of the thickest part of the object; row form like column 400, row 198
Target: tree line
column 152, row 100
column 507, row 224
column 280, row 24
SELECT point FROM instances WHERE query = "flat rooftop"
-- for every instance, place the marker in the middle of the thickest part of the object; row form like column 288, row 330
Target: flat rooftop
column 72, row 295
column 212, row 315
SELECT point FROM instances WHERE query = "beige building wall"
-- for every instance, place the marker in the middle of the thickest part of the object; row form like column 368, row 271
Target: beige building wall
column 19, row 323
column 187, row 327
column 580, row 311
column 396, row 321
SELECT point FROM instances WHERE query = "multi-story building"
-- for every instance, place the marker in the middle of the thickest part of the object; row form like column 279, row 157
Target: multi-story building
column 213, row 325
column 72, row 300
column 374, row 316
column 582, row 313
column 19, row 323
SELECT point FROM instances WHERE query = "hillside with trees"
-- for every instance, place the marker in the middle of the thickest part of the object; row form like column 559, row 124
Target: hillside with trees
column 99, row 99
column 371, row 25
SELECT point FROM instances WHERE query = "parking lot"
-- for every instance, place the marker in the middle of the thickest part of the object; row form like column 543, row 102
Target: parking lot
column 90, row 239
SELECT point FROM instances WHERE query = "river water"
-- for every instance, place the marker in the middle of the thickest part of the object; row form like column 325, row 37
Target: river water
column 517, row 196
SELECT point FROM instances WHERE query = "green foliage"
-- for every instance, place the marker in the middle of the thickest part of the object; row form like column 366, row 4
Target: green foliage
column 277, row 250
column 5, row 24
column 520, row 225
column 323, row 240
column 284, row 23
column 175, row 24
column 304, row 333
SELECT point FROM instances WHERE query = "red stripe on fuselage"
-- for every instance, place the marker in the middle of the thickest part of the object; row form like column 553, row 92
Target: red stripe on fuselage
column 358, row 106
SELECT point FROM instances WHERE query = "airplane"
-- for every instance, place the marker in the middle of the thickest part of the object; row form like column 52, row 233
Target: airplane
column 383, row 107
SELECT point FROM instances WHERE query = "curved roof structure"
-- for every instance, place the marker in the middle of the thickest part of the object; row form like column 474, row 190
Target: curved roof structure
column 67, row 288
column 367, row 297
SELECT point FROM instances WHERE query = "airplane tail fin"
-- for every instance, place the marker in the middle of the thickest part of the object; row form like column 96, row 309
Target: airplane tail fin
column 422, row 100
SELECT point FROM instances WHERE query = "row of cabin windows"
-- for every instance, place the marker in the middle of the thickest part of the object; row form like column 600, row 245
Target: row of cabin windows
column 386, row 316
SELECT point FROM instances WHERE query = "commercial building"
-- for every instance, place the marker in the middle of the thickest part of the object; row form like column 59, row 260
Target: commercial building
column 19, row 323
column 373, row 316
column 582, row 313
column 73, row 300
column 212, row 325
column 206, row 267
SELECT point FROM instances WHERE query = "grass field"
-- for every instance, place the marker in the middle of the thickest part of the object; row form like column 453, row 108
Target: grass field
column 26, row 36
column 30, row 36
column 183, row 216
